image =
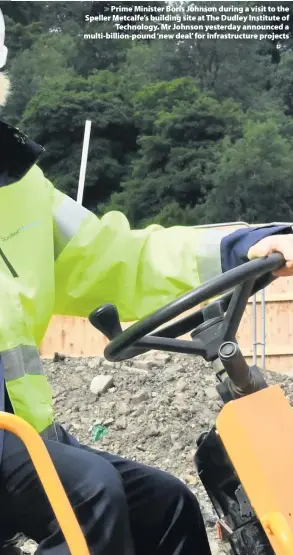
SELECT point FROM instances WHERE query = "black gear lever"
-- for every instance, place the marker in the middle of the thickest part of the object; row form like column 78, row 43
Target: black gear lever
column 106, row 320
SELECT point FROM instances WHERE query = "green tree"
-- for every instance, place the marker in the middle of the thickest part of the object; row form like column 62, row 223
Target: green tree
column 55, row 117
column 180, row 129
column 283, row 82
column 240, row 70
column 253, row 180
column 49, row 56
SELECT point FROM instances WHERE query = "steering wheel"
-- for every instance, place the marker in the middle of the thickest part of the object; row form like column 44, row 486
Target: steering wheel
column 216, row 323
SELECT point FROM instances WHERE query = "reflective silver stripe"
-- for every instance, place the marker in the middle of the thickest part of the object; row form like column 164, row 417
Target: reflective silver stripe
column 208, row 251
column 50, row 433
column 21, row 360
column 67, row 220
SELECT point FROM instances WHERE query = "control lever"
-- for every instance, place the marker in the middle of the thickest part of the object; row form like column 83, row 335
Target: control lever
column 242, row 379
column 235, row 365
column 106, row 320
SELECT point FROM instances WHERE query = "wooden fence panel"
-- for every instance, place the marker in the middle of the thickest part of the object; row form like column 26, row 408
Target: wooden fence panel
column 76, row 336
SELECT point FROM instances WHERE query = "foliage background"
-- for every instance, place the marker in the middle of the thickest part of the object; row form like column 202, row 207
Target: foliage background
column 182, row 133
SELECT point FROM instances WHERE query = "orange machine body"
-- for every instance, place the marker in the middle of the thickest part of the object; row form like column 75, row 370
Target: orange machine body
column 50, row 481
column 257, row 433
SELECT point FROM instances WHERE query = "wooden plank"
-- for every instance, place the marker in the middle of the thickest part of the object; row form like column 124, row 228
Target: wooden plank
column 274, row 297
column 276, row 364
column 281, row 285
column 271, row 350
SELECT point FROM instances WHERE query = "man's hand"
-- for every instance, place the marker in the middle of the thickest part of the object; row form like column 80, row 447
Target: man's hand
column 275, row 243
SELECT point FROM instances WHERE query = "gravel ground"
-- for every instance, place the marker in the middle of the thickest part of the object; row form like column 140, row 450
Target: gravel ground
column 153, row 408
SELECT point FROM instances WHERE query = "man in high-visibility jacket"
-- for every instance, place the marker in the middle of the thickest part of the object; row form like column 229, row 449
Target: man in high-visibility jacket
column 57, row 257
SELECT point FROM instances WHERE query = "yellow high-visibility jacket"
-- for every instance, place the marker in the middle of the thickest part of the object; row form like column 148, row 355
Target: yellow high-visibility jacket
column 57, row 257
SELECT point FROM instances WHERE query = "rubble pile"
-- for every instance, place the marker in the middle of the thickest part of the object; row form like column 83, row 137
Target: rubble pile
column 151, row 409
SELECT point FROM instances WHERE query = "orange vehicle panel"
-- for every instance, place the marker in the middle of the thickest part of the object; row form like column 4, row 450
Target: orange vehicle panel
column 257, row 433
column 50, row 481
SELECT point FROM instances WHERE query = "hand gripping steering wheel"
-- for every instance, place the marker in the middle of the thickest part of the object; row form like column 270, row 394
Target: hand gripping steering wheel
column 211, row 327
